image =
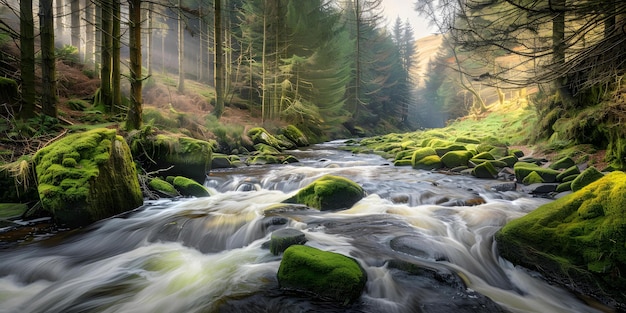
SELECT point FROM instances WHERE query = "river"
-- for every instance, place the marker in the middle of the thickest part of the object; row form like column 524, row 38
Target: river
column 423, row 248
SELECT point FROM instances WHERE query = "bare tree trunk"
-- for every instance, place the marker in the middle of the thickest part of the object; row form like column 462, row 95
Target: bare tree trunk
column 97, row 56
column 89, row 32
column 27, row 59
column 134, row 113
column 116, row 77
column 75, row 24
column 219, row 61
column 149, row 40
column 181, row 50
column 558, row 47
column 105, row 54
column 263, row 61
column 48, row 60
column 60, row 12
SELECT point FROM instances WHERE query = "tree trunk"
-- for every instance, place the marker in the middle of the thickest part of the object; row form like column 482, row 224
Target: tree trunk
column 75, row 24
column 48, row 66
column 89, row 33
column 134, row 112
column 219, row 61
column 558, row 48
column 263, row 61
column 181, row 50
column 105, row 54
column 97, row 56
column 149, row 40
column 116, row 64
column 60, row 12
column 27, row 59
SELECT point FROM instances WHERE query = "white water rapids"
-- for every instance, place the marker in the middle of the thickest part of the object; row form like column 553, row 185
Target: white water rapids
column 423, row 250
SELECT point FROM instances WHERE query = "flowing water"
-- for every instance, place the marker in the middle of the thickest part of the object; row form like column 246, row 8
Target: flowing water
column 422, row 247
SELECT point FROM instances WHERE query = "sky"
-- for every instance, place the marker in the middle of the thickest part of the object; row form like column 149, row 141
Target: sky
column 404, row 9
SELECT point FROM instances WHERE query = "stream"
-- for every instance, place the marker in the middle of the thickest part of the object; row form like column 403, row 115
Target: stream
column 424, row 239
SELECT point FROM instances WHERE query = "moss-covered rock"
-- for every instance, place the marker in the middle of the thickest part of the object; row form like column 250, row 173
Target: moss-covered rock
column 532, row 178
column 523, row 169
column 517, row 153
column 577, row 240
column 329, row 192
column 100, row 183
column 189, row 187
column 563, row 187
column 562, row 163
column 499, row 152
column 284, row 238
column 321, row 273
column 431, row 162
column 585, row 178
column 404, row 162
column 454, row 159
column 509, row 160
column 163, row 187
column 261, row 159
column 573, row 170
column 485, row 156
column 260, row 135
column 421, row 153
column 182, row 156
column 11, row 210
column 485, row 170
column 294, row 134
column 219, row 160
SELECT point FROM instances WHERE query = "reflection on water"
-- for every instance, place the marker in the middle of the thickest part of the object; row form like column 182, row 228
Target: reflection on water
column 422, row 248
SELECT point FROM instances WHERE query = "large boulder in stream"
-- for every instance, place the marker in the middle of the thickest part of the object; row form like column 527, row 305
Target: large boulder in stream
column 578, row 240
column 329, row 193
column 321, row 273
column 172, row 155
column 86, row 177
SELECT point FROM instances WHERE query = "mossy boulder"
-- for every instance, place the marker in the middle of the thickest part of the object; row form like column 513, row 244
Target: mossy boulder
column 563, row 187
column 523, row 169
column 284, row 238
column 296, row 136
column 431, row 162
column 161, row 186
column 100, row 182
column 181, row 156
column 454, row 159
column 485, row 170
column 509, row 160
column 189, row 187
column 485, row 156
column 420, row 153
column 219, row 160
column 322, row 274
column 12, row 210
column 572, row 170
column 532, row 178
column 329, row 192
column 577, row 240
column 585, row 178
column 260, row 135
column 562, row 163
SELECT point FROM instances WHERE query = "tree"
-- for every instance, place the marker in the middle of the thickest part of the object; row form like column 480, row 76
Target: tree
column 134, row 118
column 27, row 59
column 75, row 24
column 181, row 49
column 106, row 22
column 220, row 66
column 116, row 70
column 48, row 60
column 90, row 43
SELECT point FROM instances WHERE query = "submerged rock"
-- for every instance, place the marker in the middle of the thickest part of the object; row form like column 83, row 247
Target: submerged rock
column 87, row 177
column 321, row 273
column 577, row 240
column 329, row 193
column 285, row 238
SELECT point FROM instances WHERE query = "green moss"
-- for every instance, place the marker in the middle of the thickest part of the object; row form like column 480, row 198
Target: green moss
column 532, row 178
column 260, row 135
column 454, row 147
column 330, row 193
column 430, row 162
column 405, row 162
column 499, row 152
column 563, row 163
column 9, row 210
column 456, row 158
column 163, row 186
column 421, row 153
column 562, row 187
column 189, row 187
column 485, row 156
column 509, row 160
column 523, row 169
column 100, row 181
column 266, row 149
column 583, row 230
column 485, row 170
column 585, row 178
column 467, row 140
column 325, row 274
column 284, row 238
column 573, row 170
column 516, row 152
